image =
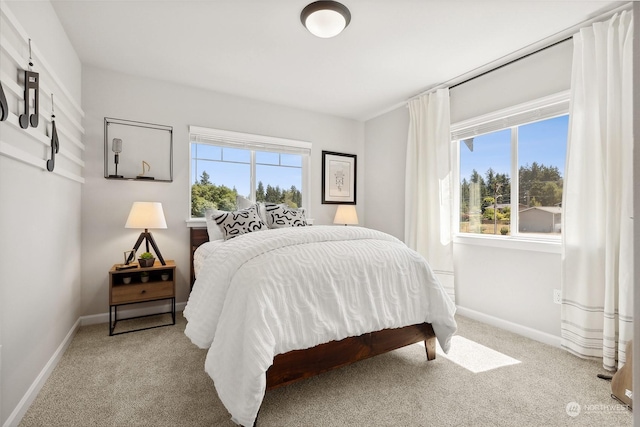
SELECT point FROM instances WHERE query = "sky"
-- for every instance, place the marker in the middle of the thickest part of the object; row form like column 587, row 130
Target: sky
column 283, row 170
column 544, row 142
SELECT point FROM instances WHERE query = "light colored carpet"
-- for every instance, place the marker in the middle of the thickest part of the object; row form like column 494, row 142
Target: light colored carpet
column 156, row 378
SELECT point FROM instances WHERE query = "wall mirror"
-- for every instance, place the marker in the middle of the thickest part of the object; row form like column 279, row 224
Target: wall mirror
column 137, row 151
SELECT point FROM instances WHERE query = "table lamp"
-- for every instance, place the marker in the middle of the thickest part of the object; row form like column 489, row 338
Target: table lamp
column 346, row 214
column 146, row 215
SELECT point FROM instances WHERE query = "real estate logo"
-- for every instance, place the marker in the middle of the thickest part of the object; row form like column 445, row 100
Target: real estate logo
column 573, row 409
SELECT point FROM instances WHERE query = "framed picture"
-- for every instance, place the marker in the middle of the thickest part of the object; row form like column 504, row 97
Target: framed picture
column 338, row 178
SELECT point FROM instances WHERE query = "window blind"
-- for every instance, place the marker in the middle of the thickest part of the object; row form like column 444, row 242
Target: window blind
column 541, row 109
column 230, row 139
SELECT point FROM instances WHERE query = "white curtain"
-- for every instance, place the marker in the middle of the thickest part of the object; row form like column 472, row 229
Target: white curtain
column 598, row 195
column 428, row 201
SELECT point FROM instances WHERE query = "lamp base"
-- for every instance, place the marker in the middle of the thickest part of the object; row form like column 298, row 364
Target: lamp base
column 116, row 176
column 145, row 235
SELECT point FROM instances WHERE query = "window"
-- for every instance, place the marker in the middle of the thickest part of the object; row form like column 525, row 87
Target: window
column 227, row 164
column 511, row 167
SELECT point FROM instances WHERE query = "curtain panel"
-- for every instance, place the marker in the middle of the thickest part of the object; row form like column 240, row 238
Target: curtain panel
column 428, row 185
column 597, row 221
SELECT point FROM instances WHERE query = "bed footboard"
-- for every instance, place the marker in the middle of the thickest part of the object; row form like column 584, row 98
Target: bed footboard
column 297, row 365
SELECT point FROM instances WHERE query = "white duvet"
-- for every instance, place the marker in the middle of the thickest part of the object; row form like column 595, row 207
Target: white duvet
column 270, row 292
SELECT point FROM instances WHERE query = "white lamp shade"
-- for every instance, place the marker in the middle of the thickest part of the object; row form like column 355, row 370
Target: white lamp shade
column 146, row 215
column 325, row 23
column 346, row 214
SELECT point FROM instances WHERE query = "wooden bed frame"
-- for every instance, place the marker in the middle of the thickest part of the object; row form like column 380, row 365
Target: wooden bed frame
column 297, row 365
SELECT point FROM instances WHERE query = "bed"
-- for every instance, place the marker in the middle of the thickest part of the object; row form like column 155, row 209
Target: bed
column 241, row 373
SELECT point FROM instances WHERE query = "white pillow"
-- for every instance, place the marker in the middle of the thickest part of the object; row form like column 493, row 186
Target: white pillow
column 236, row 223
column 212, row 226
column 282, row 216
column 262, row 212
column 243, row 203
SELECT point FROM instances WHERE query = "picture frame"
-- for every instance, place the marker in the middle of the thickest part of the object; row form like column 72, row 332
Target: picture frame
column 339, row 175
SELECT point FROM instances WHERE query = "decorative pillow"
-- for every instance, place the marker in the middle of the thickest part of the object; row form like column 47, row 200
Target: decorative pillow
column 212, row 226
column 244, row 203
column 281, row 216
column 233, row 224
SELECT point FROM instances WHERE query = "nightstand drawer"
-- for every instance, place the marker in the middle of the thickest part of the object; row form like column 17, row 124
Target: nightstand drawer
column 141, row 292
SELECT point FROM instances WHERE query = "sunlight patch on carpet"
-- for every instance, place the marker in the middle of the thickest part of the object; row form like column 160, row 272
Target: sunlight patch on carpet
column 473, row 356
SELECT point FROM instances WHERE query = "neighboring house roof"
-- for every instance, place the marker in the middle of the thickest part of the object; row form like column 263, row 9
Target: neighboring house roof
column 550, row 209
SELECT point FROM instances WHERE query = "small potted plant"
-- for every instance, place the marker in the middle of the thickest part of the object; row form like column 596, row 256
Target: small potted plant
column 146, row 260
column 144, row 277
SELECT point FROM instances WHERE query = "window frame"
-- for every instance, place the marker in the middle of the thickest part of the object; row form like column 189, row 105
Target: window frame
column 253, row 142
column 509, row 118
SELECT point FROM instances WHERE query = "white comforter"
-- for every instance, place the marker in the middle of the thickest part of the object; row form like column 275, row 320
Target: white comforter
column 270, row 292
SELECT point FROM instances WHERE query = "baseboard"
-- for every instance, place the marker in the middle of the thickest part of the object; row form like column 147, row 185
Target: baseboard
column 94, row 319
column 525, row 331
column 36, row 386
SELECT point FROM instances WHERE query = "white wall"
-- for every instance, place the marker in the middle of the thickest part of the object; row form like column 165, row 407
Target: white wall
column 514, row 285
column 39, row 210
column 636, row 195
column 106, row 203
column 386, row 147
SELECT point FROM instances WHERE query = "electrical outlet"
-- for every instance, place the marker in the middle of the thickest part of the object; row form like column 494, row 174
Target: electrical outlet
column 557, row 296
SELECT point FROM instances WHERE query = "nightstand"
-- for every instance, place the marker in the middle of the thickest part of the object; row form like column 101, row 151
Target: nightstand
column 127, row 287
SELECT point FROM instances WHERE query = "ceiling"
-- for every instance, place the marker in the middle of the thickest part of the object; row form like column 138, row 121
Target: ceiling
column 391, row 51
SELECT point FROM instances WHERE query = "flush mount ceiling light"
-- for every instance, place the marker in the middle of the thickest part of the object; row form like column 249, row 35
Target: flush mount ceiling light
column 325, row 19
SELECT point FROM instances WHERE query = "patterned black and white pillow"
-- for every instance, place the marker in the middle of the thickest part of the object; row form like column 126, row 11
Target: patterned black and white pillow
column 233, row 224
column 282, row 216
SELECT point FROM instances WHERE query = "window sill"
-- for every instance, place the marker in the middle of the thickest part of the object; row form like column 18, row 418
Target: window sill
column 196, row 223
column 515, row 243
